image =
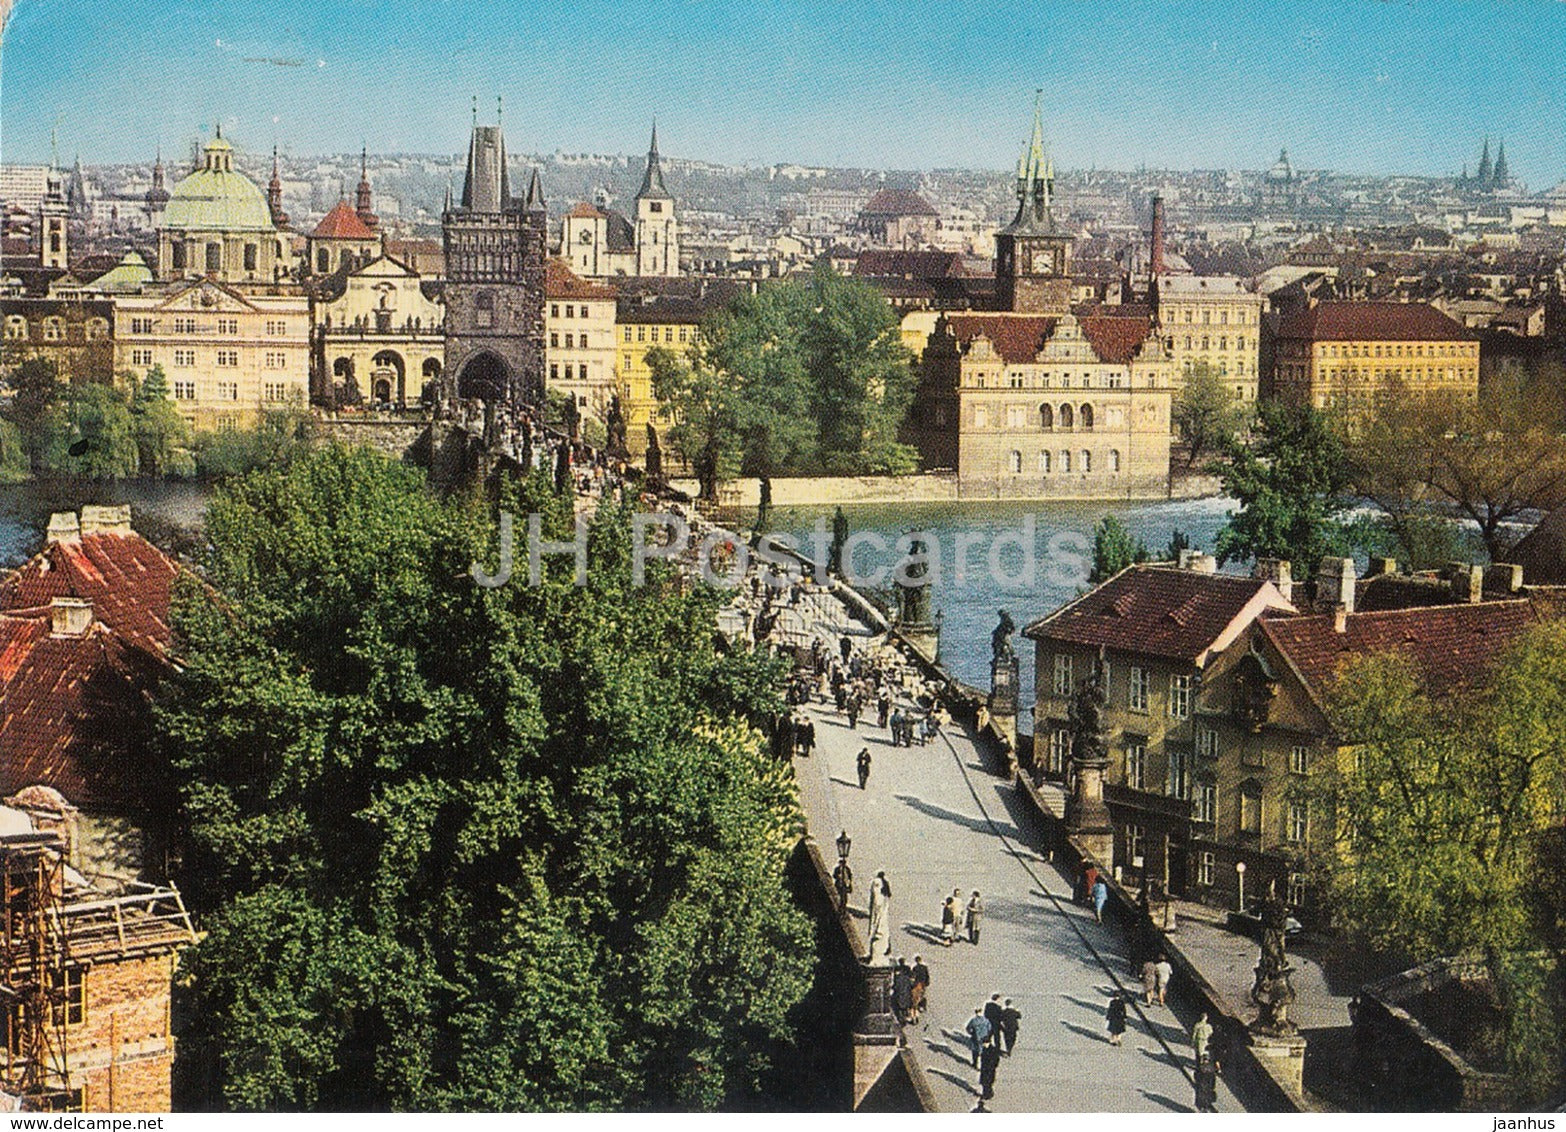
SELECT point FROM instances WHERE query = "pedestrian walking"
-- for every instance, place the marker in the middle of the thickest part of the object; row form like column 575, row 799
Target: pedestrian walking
column 880, row 917
column 1011, row 1022
column 978, row 1032
column 1117, row 1018
column 895, row 725
column 1206, row 1085
column 1100, row 898
column 853, row 710
column 989, row 1061
column 921, row 985
column 883, row 707
column 994, row 1014
column 863, row 762
column 974, row 918
column 1165, row 975
column 1201, row 1036
column 843, row 881
column 807, row 736
column 948, row 922
column 1149, row 981
column 902, row 991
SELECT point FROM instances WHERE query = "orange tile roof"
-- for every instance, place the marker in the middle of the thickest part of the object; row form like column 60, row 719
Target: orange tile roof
column 560, row 282
column 1018, row 338
column 1335, row 321
column 342, row 223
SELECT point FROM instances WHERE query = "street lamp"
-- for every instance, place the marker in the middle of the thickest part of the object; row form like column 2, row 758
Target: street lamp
column 844, row 844
column 1239, row 868
column 939, row 617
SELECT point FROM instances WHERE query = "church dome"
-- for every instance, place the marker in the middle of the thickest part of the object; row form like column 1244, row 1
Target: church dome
column 215, row 198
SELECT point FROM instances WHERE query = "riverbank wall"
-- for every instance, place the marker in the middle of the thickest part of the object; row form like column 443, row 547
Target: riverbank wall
column 932, row 487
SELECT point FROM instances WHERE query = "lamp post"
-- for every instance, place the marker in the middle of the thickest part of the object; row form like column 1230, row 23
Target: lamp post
column 939, row 617
column 1239, row 868
column 844, row 844
column 842, row 876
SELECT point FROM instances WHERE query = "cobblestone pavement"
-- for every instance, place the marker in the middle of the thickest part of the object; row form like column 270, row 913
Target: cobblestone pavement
column 936, row 818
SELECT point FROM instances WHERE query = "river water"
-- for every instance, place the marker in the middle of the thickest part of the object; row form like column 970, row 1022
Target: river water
column 997, row 573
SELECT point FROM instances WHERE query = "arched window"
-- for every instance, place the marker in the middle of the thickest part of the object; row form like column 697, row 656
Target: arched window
column 96, row 328
column 54, row 329
column 1044, row 463
column 1065, row 461
column 484, row 309
column 214, row 257
column 1114, row 459
column 1087, row 460
column 1046, row 416
column 177, row 252
column 15, row 327
column 1087, row 416
column 1015, row 461
column 1065, row 416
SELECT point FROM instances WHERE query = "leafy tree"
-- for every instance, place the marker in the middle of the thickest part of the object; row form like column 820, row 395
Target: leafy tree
column 163, row 439
column 36, row 395
column 704, row 403
column 1290, row 482
column 466, row 847
column 1207, row 412
column 1178, row 541
column 13, row 454
column 1492, row 460
column 282, row 437
column 101, row 442
column 1114, row 549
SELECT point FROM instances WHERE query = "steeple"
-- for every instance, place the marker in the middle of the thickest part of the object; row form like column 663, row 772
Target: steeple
column 1032, row 254
column 1501, row 175
column 1483, row 175
column 274, row 195
column 362, row 194
column 158, row 195
column 1035, row 179
column 652, row 181
column 486, row 187
column 535, row 194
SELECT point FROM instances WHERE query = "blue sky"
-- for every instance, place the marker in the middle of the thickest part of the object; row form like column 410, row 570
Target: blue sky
column 1360, row 85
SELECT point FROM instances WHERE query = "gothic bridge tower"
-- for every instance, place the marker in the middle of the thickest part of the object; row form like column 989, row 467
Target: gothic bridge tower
column 494, row 290
column 1033, row 255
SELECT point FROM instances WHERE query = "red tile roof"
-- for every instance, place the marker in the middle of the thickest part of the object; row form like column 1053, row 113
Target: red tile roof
column 1018, row 338
column 342, row 223
column 1451, row 644
column 1154, row 611
column 584, row 211
column 898, row 202
column 1372, row 322
column 126, row 578
column 560, row 282
column 909, row 265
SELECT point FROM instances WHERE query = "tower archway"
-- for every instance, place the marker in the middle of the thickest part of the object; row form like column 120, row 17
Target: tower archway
column 483, row 377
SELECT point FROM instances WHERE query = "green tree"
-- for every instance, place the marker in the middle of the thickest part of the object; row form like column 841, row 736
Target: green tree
column 1290, row 483
column 281, row 437
column 468, row 847
column 163, row 439
column 1207, row 412
column 101, row 443
column 1114, row 549
column 1179, row 541
column 704, row 402
column 13, row 454
column 35, row 404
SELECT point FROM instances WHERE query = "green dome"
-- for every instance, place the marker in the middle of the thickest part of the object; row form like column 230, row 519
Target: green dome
column 217, row 199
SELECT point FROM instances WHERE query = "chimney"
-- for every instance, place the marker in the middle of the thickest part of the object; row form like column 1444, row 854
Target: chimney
column 1278, row 572
column 1380, row 567
column 1467, row 582
column 110, row 520
column 1197, row 562
column 1340, row 618
column 63, row 527
column 1158, row 236
column 1504, row 577
column 1335, row 579
column 69, row 617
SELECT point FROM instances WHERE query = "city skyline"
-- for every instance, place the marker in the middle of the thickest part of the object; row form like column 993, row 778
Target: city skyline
column 899, row 87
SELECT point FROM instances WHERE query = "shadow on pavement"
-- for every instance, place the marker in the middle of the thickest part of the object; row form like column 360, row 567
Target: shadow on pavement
column 1172, row 1106
column 960, row 1082
column 977, row 825
column 955, row 1047
column 1095, row 1035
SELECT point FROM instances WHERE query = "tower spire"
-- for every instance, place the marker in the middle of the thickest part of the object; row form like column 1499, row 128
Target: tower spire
column 362, row 199
column 652, row 181
column 274, row 194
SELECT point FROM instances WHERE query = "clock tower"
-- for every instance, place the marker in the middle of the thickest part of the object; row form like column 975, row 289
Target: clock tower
column 1033, row 256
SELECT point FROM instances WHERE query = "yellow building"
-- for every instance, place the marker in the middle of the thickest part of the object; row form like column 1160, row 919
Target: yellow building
column 579, row 339
column 1212, row 319
column 640, row 324
column 1346, row 355
column 378, row 332
column 229, row 357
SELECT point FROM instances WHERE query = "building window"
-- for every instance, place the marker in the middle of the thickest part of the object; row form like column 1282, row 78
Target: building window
column 554, row 372
column 1207, row 802
column 570, row 311
column 1179, row 773
column 1014, row 461
column 1136, row 766
column 1137, row 685
column 228, row 326
column 554, row 310
column 1206, row 743
column 1063, row 682
column 214, row 257
column 251, row 256
column 1136, row 845
column 484, row 310
column 1087, row 460
column 228, row 357
column 1207, row 869
column 276, row 391
column 1296, row 890
column 1065, row 461
column 1299, row 761
column 184, row 391
column 70, row 997
column 141, row 357
column 1044, row 463
column 1298, row 823
column 581, row 372
column 641, row 333
column 1180, row 696
column 570, row 341
column 1059, row 750
column 1250, row 809
column 228, row 391
column 682, row 334
column 276, row 359
column 981, row 417
column 53, row 330
column 184, row 357
column 554, row 340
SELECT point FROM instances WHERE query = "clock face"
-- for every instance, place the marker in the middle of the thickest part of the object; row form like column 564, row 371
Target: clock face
column 1043, row 262
column 587, row 236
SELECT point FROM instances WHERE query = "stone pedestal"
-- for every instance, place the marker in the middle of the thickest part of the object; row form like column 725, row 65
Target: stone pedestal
column 1087, row 814
column 1003, row 702
column 1283, row 1058
column 878, row 1035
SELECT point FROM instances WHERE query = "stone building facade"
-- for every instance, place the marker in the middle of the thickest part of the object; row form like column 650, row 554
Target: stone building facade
column 579, row 323
column 377, row 335
column 1213, row 320
column 218, row 225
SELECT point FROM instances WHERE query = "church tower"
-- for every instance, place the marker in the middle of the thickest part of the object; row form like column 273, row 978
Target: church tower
column 274, row 195
column 362, row 201
column 657, row 232
column 1032, row 255
column 54, row 214
column 494, row 292
column 158, row 195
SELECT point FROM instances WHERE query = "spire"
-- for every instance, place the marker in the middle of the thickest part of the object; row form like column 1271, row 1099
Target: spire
column 535, row 194
column 448, row 195
column 1501, row 175
column 362, row 199
column 274, row 195
column 1035, row 176
column 1483, row 175
column 652, row 182
column 486, row 187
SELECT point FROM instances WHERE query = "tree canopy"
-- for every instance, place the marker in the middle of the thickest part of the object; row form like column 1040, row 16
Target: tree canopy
column 467, row 847
column 1207, row 413
column 1114, row 548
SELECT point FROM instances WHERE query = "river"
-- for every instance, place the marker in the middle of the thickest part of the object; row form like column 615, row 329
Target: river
column 171, row 513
